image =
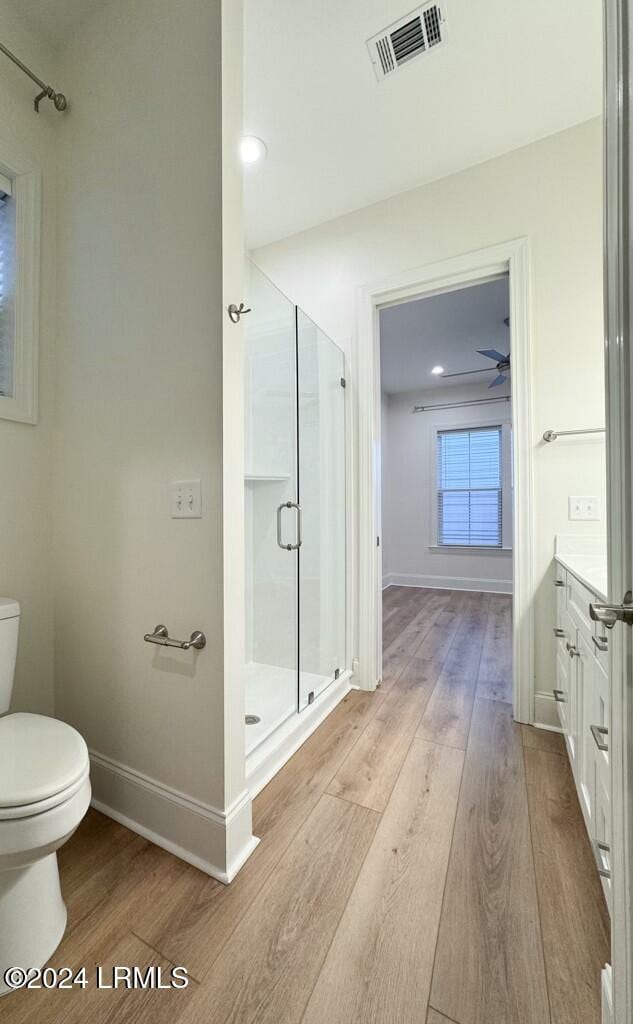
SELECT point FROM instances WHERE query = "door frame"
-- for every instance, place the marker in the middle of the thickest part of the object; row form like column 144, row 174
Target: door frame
column 618, row 237
column 511, row 257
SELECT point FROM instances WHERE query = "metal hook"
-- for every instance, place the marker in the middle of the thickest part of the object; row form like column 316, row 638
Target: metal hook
column 235, row 312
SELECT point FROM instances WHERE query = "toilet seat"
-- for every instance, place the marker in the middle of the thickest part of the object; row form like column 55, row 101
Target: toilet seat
column 43, row 762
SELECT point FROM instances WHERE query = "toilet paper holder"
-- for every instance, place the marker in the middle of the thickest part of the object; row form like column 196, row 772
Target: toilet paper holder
column 161, row 637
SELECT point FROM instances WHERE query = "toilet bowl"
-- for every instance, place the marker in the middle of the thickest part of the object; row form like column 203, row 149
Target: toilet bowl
column 44, row 794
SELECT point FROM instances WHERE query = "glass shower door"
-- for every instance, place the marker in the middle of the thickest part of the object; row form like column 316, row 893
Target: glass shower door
column 321, row 485
column 271, row 519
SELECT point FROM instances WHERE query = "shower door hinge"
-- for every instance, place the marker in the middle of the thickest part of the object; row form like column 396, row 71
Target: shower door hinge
column 311, row 697
column 337, row 673
column 377, row 542
column 343, row 382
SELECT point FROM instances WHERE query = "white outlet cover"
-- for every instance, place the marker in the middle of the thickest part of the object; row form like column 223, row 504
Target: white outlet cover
column 186, row 499
column 583, row 507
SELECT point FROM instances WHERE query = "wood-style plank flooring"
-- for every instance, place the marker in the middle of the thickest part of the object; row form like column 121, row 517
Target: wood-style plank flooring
column 422, row 859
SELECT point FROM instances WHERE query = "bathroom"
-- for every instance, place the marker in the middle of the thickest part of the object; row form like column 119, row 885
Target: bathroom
column 190, row 533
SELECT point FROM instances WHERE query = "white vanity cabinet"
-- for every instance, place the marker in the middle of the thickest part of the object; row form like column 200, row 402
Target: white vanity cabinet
column 582, row 695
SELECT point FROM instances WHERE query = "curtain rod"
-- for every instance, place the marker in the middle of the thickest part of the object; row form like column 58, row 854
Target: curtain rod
column 460, row 405
column 47, row 92
column 551, row 435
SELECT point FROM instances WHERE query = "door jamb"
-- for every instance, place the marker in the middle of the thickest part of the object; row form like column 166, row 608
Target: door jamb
column 508, row 257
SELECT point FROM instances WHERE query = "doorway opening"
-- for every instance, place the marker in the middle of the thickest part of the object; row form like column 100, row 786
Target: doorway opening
column 446, row 474
column 433, row 531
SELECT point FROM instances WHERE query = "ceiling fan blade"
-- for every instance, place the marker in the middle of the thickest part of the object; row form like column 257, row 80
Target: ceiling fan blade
column 491, row 353
column 498, row 380
column 466, row 373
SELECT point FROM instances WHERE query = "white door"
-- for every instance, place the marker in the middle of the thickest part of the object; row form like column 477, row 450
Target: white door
column 618, row 236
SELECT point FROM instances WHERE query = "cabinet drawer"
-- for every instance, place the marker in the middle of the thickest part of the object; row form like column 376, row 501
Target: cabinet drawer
column 578, row 601
column 560, row 585
column 600, row 644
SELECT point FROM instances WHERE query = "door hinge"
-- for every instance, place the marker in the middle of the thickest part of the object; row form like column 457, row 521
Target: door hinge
column 377, row 542
column 343, row 382
column 337, row 673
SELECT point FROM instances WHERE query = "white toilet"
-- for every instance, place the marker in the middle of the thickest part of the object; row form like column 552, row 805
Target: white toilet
column 44, row 794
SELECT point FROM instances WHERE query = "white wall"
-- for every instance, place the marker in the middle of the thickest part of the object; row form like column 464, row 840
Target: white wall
column 410, row 554
column 142, row 365
column 26, row 449
column 551, row 192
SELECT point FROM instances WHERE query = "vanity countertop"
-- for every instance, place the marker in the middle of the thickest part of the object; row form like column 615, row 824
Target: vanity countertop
column 590, row 569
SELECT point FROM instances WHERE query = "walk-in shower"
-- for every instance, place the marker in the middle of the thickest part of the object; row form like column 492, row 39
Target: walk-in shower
column 295, row 512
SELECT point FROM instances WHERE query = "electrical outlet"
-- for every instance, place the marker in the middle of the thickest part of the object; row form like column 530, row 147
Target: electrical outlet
column 186, row 499
column 584, row 507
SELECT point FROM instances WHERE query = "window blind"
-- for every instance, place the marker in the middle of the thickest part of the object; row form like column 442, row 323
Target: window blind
column 469, row 489
column 7, row 288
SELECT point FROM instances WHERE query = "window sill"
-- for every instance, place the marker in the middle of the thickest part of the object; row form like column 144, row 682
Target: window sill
column 470, row 548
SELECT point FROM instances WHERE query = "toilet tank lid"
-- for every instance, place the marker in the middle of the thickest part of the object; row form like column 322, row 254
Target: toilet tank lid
column 9, row 609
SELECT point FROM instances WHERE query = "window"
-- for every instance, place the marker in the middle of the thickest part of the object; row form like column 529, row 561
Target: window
column 469, row 487
column 20, row 187
column 7, row 288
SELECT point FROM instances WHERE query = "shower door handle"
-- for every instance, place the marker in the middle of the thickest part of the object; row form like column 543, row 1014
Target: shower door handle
column 282, row 544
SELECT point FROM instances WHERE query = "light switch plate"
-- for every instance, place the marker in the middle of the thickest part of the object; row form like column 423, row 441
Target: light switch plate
column 584, row 507
column 186, row 499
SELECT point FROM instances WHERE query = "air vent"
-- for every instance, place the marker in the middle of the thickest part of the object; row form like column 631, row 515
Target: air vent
column 412, row 36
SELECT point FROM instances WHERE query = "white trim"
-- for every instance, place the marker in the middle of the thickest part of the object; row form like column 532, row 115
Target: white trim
column 27, row 193
column 271, row 755
column 466, row 549
column 546, row 712
column 214, row 840
column 508, row 257
column 448, row 583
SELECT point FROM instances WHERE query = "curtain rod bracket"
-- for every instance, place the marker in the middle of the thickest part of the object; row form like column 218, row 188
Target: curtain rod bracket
column 58, row 98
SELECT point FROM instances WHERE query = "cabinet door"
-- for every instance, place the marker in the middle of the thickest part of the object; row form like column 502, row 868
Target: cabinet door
column 572, row 731
column 586, row 777
column 601, row 721
column 561, row 693
column 564, row 633
column 602, row 838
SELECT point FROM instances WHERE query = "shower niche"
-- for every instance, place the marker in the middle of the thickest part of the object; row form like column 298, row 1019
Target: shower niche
column 295, row 516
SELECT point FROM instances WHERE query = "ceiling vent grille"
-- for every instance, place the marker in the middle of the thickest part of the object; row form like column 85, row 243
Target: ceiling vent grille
column 415, row 34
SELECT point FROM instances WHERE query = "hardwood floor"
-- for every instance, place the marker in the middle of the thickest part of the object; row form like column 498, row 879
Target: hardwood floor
column 489, row 963
column 422, row 858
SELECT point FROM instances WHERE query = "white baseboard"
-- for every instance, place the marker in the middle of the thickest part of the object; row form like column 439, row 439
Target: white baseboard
column 215, row 841
column 395, row 579
column 271, row 755
column 545, row 712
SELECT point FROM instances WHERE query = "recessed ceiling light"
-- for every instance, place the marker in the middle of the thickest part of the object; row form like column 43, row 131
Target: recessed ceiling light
column 252, row 149
column 437, row 370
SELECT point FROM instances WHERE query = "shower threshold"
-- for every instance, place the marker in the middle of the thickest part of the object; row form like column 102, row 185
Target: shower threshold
column 282, row 730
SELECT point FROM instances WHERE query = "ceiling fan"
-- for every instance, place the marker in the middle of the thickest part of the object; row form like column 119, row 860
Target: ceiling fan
column 502, row 365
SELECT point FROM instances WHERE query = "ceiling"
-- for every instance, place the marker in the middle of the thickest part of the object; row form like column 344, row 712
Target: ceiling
column 55, row 20
column 511, row 72
column 444, row 330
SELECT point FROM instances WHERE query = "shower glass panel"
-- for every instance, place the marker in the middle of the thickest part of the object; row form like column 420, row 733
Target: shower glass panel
column 270, row 482
column 295, row 510
column 321, row 410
